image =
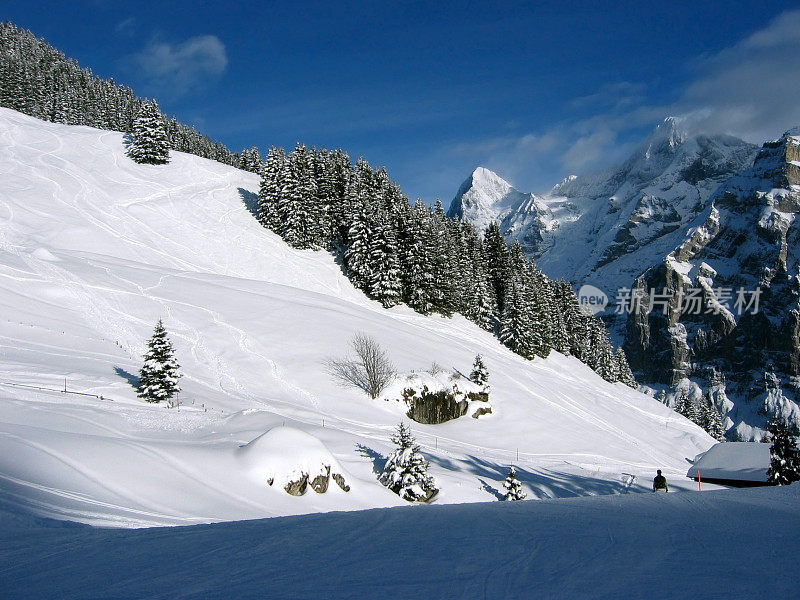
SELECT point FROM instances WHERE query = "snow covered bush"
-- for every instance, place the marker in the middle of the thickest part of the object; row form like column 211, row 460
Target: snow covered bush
column 513, row 487
column 158, row 377
column 406, row 470
column 480, row 374
column 370, row 370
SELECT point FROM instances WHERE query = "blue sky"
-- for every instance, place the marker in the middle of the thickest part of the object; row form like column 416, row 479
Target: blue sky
column 533, row 90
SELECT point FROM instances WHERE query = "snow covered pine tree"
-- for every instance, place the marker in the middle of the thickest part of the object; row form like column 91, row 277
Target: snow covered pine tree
column 513, row 487
column 406, row 471
column 480, row 374
column 150, row 143
column 158, row 378
column 784, row 466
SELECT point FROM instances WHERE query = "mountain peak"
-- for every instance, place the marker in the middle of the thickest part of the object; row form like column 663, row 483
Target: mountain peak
column 485, row 197
column 670, row 131
column 793, row 132
column 483, row 177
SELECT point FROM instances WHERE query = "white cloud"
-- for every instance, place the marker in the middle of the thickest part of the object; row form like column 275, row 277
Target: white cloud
column 180, row 68
column 750, row 89
column 126, row 27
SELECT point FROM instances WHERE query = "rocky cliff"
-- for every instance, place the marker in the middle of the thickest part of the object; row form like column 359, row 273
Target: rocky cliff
column 723, row 305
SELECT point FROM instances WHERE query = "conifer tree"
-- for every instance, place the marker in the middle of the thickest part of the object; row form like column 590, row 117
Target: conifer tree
column 482, row 307
column 480, row 374
column 606, row 365
column 406, row 470
column 497, row 258
column 416, row 258
column 784, row 467
column 624, row 373
column 513, row 486
column 150, row 144
column 270, row 190
column 159, row 375
column 689, row 408
column 356, row 257
column 385, row 283
column 512, row 323
column 711, row 421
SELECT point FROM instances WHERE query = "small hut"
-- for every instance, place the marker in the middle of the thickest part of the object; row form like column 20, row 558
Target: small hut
column 739, row 464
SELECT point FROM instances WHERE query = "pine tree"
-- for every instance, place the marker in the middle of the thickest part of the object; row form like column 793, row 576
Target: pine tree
column 784, row 466
column 416, row 260
column 385, row 285
column 624, row 373
column 513, row 487
column 686, row 406
column 480, row 374
column 356, row 257
column 270, row 191
column 150, row 144
column 497, row 258
column 711, row 421
column 158, row 377
column 406, row 470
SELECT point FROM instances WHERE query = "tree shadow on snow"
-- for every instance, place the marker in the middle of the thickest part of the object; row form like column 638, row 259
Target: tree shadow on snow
column 491, row 490
column 378, row 459
column 133, row 380
column 250, row 201
column 543, row 483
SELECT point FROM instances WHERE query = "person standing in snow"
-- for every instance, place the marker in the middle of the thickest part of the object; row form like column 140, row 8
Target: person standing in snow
column 660, row 483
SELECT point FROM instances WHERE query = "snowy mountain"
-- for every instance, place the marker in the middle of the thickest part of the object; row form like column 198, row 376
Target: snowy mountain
column 485, row 197
column 710, row 219
column 607, row 228
column 96, row 248
column 728, row 316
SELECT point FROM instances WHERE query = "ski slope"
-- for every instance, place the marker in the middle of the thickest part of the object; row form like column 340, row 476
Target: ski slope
column 724, row 545
column 94, row 249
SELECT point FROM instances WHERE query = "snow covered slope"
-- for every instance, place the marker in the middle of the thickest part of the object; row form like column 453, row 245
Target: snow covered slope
column 723, row 545
column 607, row 228
column 94, row 249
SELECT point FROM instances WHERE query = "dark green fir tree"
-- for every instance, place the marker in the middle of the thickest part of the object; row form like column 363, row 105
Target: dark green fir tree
column 158, row 377
column 150, row 143
column 480, row 374
column 784, row 466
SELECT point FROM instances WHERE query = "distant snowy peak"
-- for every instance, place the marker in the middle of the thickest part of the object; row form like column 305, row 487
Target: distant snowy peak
column 614, row 224
column 485, row 197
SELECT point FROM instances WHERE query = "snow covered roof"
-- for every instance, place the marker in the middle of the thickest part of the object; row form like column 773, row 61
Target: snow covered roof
column 739, row 461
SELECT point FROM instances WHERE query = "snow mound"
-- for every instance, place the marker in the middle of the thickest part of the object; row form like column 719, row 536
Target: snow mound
column 284, row 456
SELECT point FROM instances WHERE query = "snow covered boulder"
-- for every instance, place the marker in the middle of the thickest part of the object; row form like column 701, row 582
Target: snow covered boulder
column 433, row 398
column 292, row 459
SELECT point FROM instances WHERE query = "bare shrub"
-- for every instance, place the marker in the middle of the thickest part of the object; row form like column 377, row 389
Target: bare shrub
column 435, row 369
column 370, row 369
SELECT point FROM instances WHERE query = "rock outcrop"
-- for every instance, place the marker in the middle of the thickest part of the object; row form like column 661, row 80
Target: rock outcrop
column 725, row 301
